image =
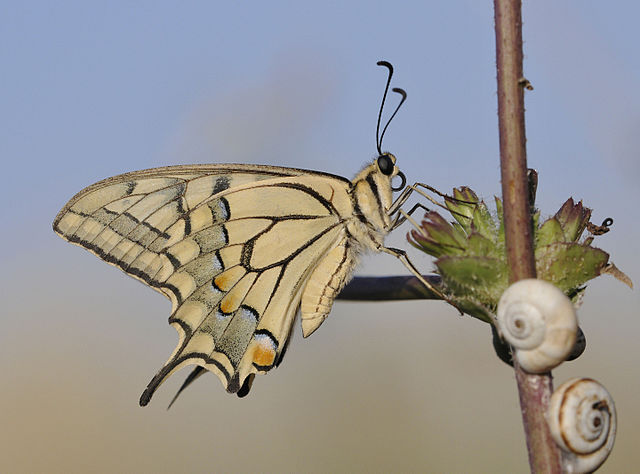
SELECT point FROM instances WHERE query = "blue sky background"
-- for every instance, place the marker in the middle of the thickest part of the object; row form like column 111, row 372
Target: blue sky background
column 90, row 90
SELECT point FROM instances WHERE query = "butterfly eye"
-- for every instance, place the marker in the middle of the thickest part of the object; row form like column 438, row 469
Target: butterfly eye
column 385, row 164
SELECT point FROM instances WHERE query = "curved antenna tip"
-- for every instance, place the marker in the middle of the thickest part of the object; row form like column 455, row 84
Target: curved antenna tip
column 384, row 97
column 404, row 97
column 386, row 64
column 402, row 92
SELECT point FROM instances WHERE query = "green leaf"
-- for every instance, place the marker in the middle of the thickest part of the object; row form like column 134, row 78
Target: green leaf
column 569, row 265
column 479, row 245
column 483, row 277
column 550, row 232
column 462, row 206
column 483, row 222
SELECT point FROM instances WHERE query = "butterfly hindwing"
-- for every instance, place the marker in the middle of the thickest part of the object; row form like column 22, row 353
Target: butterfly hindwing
column 235, row 320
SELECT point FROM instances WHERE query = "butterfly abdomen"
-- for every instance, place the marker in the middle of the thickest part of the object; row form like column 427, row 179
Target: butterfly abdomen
column 324, row 284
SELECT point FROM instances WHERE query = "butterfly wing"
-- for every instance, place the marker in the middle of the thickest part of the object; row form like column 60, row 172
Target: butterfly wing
column 231, row 245
column 131, row 219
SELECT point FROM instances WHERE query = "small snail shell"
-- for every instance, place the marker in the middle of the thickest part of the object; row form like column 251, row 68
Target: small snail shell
column 582, row 421
column 539, row 321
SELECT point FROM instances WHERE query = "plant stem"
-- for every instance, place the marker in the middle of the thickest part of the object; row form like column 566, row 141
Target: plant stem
column 534, row 390
column 389, row 288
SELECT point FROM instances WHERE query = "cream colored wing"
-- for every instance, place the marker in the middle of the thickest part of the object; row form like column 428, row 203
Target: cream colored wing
column 131, row 220
column 232, row 249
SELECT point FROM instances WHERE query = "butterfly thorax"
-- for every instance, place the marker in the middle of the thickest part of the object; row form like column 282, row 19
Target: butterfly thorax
column 372, row 198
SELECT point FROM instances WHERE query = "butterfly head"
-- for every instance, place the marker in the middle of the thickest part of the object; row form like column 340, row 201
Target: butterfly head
column 374, row 185
column 386, row 164
column 372, row 192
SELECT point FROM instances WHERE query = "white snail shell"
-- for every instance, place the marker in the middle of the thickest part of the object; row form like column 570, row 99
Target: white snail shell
column 582, row 421
column 539, row 321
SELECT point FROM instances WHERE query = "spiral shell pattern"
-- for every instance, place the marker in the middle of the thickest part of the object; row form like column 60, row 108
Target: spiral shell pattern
column 539, row 321
column 582, row 421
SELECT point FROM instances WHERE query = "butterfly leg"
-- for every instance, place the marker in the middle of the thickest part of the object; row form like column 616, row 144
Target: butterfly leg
column 402, row 256
column 399, row 216
column 402, row 216
column 406, row 193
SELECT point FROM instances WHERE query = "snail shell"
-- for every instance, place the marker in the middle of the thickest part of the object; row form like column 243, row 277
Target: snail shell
column 582, row 421
column 539, row 321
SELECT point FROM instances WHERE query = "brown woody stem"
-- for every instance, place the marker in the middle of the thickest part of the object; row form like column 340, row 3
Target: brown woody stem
column 534, row 390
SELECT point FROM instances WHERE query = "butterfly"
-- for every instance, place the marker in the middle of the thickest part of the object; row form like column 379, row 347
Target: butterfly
column 238, row 249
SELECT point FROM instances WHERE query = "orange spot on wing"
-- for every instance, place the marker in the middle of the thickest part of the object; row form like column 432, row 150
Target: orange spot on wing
column 229, row 303
column 264, row 355
column 227, row 279
column 224, row 281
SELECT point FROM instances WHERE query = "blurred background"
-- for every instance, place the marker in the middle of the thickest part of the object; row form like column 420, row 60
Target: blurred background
column 92, row 89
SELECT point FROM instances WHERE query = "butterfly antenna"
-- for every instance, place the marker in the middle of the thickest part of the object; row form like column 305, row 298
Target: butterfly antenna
column 384, row 97
column 404, row 97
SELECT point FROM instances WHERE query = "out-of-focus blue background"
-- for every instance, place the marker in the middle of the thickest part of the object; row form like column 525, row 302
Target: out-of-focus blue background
column 89, row 90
